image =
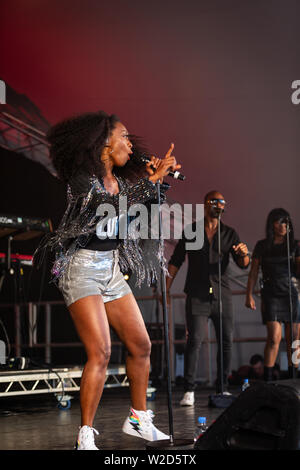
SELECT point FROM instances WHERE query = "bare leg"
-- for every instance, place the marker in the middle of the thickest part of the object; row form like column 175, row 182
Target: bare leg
column 272, row 344
column 126, row 319
column 91, row 323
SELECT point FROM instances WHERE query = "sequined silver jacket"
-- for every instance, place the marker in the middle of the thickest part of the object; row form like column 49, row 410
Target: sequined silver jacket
column 144, row 257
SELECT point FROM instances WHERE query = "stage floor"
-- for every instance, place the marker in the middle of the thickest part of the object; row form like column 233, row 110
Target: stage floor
column 36, row 423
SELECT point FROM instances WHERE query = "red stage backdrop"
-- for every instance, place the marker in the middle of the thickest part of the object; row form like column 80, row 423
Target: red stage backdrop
column 214, row 77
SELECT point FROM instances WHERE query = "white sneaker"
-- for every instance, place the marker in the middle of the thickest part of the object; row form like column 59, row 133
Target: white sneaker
column 139, row 424
column 86, row 439
column 188, row 399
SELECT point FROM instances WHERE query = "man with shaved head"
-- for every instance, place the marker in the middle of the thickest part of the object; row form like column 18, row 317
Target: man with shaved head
column 201, row 287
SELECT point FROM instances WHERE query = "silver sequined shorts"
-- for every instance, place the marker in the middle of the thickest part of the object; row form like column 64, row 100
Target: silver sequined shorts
column 93, row 272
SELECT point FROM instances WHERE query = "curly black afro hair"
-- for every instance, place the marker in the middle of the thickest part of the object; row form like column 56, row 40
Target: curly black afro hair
column 76, row 144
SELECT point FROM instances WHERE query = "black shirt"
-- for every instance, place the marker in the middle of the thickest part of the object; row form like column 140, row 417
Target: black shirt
column 274, row 264
column 202, row 271
column 106, row 237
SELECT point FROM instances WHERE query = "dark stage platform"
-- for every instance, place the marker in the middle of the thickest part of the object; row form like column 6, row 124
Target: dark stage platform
column 36, row 423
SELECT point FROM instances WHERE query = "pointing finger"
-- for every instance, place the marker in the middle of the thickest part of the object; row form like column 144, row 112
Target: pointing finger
column 169, row 152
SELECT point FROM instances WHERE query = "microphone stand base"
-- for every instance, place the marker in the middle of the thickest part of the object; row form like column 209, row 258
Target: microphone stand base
column 220, row 400
column 166, row 444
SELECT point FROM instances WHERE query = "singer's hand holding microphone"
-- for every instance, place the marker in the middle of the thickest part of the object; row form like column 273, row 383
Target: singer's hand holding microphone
column 158, row 168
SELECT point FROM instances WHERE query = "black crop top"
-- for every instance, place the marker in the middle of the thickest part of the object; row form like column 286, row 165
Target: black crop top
column 106, row 237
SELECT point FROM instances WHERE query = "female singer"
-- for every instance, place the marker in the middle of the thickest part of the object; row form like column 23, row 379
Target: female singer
column 93, row 153
column 271, row 255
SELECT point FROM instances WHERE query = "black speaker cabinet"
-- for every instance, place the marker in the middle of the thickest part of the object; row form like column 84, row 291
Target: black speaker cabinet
column 266, row 416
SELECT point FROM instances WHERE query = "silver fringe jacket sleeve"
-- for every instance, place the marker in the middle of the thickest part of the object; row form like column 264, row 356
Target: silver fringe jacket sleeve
column 144, row 258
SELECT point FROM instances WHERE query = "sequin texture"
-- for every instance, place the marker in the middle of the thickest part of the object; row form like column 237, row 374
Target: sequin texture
column 145, row 258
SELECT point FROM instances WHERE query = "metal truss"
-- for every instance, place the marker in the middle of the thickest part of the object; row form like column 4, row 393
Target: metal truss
column 20, row 137
column 57, row 381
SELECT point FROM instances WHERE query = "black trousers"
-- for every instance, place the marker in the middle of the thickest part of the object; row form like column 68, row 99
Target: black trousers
column 197, row 314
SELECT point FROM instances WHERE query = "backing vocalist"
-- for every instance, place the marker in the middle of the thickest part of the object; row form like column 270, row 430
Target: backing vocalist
column 201, row 287
column 270, row 254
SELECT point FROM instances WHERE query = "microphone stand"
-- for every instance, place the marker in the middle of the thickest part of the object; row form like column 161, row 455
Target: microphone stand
column 170, row 443
column 220, row 400
column 220, row 307
column 290, row 290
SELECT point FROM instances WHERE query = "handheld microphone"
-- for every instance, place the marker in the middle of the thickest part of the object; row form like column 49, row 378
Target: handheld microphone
column 174, row 174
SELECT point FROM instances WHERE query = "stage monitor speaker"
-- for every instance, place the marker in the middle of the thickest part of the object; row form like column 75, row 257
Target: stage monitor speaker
column 266, row 416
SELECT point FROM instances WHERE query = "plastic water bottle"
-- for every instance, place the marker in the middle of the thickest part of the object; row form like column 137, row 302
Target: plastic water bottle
column 201, row 427
column 245, row 385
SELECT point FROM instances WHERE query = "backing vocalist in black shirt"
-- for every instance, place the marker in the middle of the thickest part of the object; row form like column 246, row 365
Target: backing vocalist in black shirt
column 201, row 287
column 277, row 308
